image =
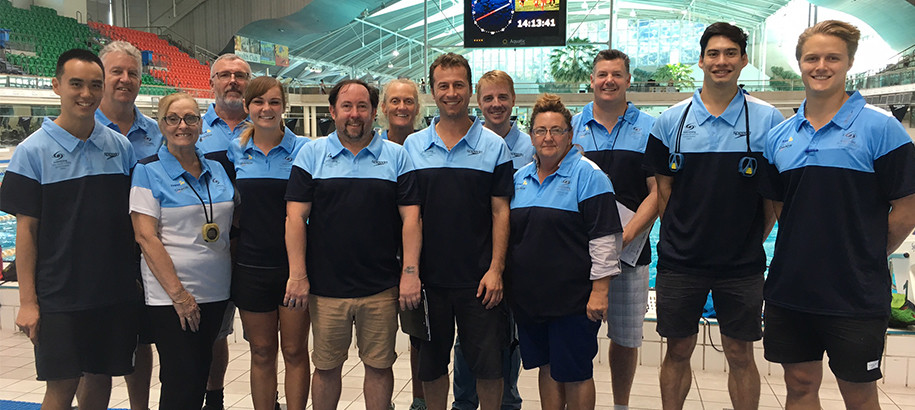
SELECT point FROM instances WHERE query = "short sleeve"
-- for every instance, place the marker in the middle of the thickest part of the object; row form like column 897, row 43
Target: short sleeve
column 597, row 204
column 301, row 185
column 21, row 191
column 142, row 198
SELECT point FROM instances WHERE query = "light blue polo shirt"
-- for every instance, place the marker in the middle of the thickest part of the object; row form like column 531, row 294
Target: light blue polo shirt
column 215, row 135
column 261, row 179
column 144, row 133
column 164, row 190
column 836, row 184
column 551, row 226
column 354, row 228
column 457, row 187
column 520, row 146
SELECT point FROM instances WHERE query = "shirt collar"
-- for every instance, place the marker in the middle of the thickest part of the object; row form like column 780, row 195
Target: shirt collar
column 730, row 115
column 471, row 138
column 566, row 166
column 287, row 143
column 631, row 115
column 210, row 117
column 173, row 168
column 336, row 147
column 513, row 134
column 846, row 115
column 67, row 140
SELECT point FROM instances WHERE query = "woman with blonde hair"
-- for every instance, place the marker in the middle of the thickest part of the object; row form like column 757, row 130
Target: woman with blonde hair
column 181, row 206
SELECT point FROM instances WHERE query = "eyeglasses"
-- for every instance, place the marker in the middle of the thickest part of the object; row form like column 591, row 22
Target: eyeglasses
column 226, row 75
column 555, row 131
column 190, row 120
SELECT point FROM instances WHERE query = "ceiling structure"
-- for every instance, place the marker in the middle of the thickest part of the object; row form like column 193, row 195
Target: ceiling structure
column 333, row 39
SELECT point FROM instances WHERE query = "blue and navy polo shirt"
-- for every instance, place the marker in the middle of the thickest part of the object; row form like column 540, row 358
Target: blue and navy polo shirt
column 836, row 184
column 144, row 134
column 457, row 187
column 714, row 221
column 261, row 180
column 79, row 190
column 164, row 190
column 620, row 153
column 520, row 147
column 549, row 263
column 354, row 230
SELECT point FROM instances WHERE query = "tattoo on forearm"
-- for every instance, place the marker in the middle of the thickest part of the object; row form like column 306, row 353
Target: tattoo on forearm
column 410, row 270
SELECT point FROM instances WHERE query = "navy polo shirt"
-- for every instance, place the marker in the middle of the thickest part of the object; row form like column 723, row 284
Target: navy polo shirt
column 261, row 180
column 714, row 221
column 457, row 187
column 144, row 134
column 836, row 184
column 620, row 153
column 549, row 264
column 520, row 147
column 79, row 191
column 354, row 230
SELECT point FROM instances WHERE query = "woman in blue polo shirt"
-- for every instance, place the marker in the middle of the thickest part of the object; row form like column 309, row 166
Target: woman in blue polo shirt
column 181, row 205
column 263, row 157
column 564, row 247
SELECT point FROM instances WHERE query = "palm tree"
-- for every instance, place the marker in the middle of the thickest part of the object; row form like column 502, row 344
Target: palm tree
column 678, row 74
column 572, row 64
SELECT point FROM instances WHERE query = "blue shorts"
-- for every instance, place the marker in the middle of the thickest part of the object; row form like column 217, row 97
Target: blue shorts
column 568, row 344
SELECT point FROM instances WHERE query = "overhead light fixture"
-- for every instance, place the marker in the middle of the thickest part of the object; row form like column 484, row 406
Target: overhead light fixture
column 632, row 13
column 395, row 53
column 390, row 65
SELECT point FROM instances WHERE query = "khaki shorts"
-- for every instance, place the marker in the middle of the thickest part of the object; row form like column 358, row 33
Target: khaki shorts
column 332, row 322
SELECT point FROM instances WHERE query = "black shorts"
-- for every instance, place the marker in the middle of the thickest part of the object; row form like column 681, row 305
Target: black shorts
column 854, row 345
column 259, row 289
column 483, row 334
column 681, row 297
column 144, row 329
column 97, row 341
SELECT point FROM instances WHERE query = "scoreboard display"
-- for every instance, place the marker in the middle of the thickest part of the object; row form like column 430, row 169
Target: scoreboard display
column 514, row 23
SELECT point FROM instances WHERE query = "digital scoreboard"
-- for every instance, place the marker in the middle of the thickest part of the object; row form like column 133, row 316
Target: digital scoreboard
column 514, row 23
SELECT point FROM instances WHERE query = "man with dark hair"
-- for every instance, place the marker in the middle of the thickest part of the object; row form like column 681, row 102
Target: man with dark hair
column 704, row 152
column 68, row 185
column 464, row 173
column 358, row 194
column 613, row 133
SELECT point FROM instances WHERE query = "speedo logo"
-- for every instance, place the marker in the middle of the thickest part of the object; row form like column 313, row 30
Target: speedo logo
column 473, row 151
column 110, row 155
column 378, row 163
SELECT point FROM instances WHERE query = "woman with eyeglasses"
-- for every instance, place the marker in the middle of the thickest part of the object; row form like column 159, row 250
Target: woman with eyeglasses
column 263, row 157
column 563, row 249
column 182, row 208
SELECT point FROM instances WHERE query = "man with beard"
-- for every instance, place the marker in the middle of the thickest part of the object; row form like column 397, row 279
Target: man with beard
column 464, row 172
column 357, row 193
column 222, row 123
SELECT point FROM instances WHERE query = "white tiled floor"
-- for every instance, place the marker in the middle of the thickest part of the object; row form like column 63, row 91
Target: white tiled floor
column 709, row 391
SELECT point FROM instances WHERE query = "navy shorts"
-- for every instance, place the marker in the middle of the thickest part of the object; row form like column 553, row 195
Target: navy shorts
column 257, row 289
column 854, row 345
column 681, row 297
column 568, row 344
column 483, row 333
column 97, row 341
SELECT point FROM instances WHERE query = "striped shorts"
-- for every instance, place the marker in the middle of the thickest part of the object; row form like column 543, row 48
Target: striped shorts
column 627, row 306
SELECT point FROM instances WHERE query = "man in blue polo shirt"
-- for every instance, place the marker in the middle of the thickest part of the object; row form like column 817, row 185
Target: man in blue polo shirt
column 842, row 175
column 118, row 111
column 496, row 98
column 464, row 172
column 358, row 194
column 613, row 134
column 222, row 123
column 68, row 185
column 704, row 152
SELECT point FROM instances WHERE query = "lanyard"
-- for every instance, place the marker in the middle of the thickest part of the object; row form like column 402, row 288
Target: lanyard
column 209, row 217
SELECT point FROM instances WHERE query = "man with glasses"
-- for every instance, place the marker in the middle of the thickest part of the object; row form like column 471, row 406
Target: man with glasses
column 222, row 123
column 613, row 134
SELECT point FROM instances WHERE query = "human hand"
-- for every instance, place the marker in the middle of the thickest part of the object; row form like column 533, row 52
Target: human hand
column 188, row 312
column 490, row 289
column 597, row 306
column 297, row 290
column 27, row 321
column 410, row 289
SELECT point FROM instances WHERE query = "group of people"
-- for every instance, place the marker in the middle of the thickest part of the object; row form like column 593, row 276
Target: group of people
column 521, row 243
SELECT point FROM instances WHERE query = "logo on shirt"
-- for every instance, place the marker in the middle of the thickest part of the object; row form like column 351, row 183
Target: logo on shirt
column 59, row 161
column 58, row 155
column 740, row 134
column 565, row 185
column 516, row 154
column 849, row 138
column 378, row 163
column 474, row 151
column 110, row 155
column 179, row 186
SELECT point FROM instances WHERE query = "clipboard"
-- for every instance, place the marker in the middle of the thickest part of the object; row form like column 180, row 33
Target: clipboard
column 630, row 254
column 416, row 322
